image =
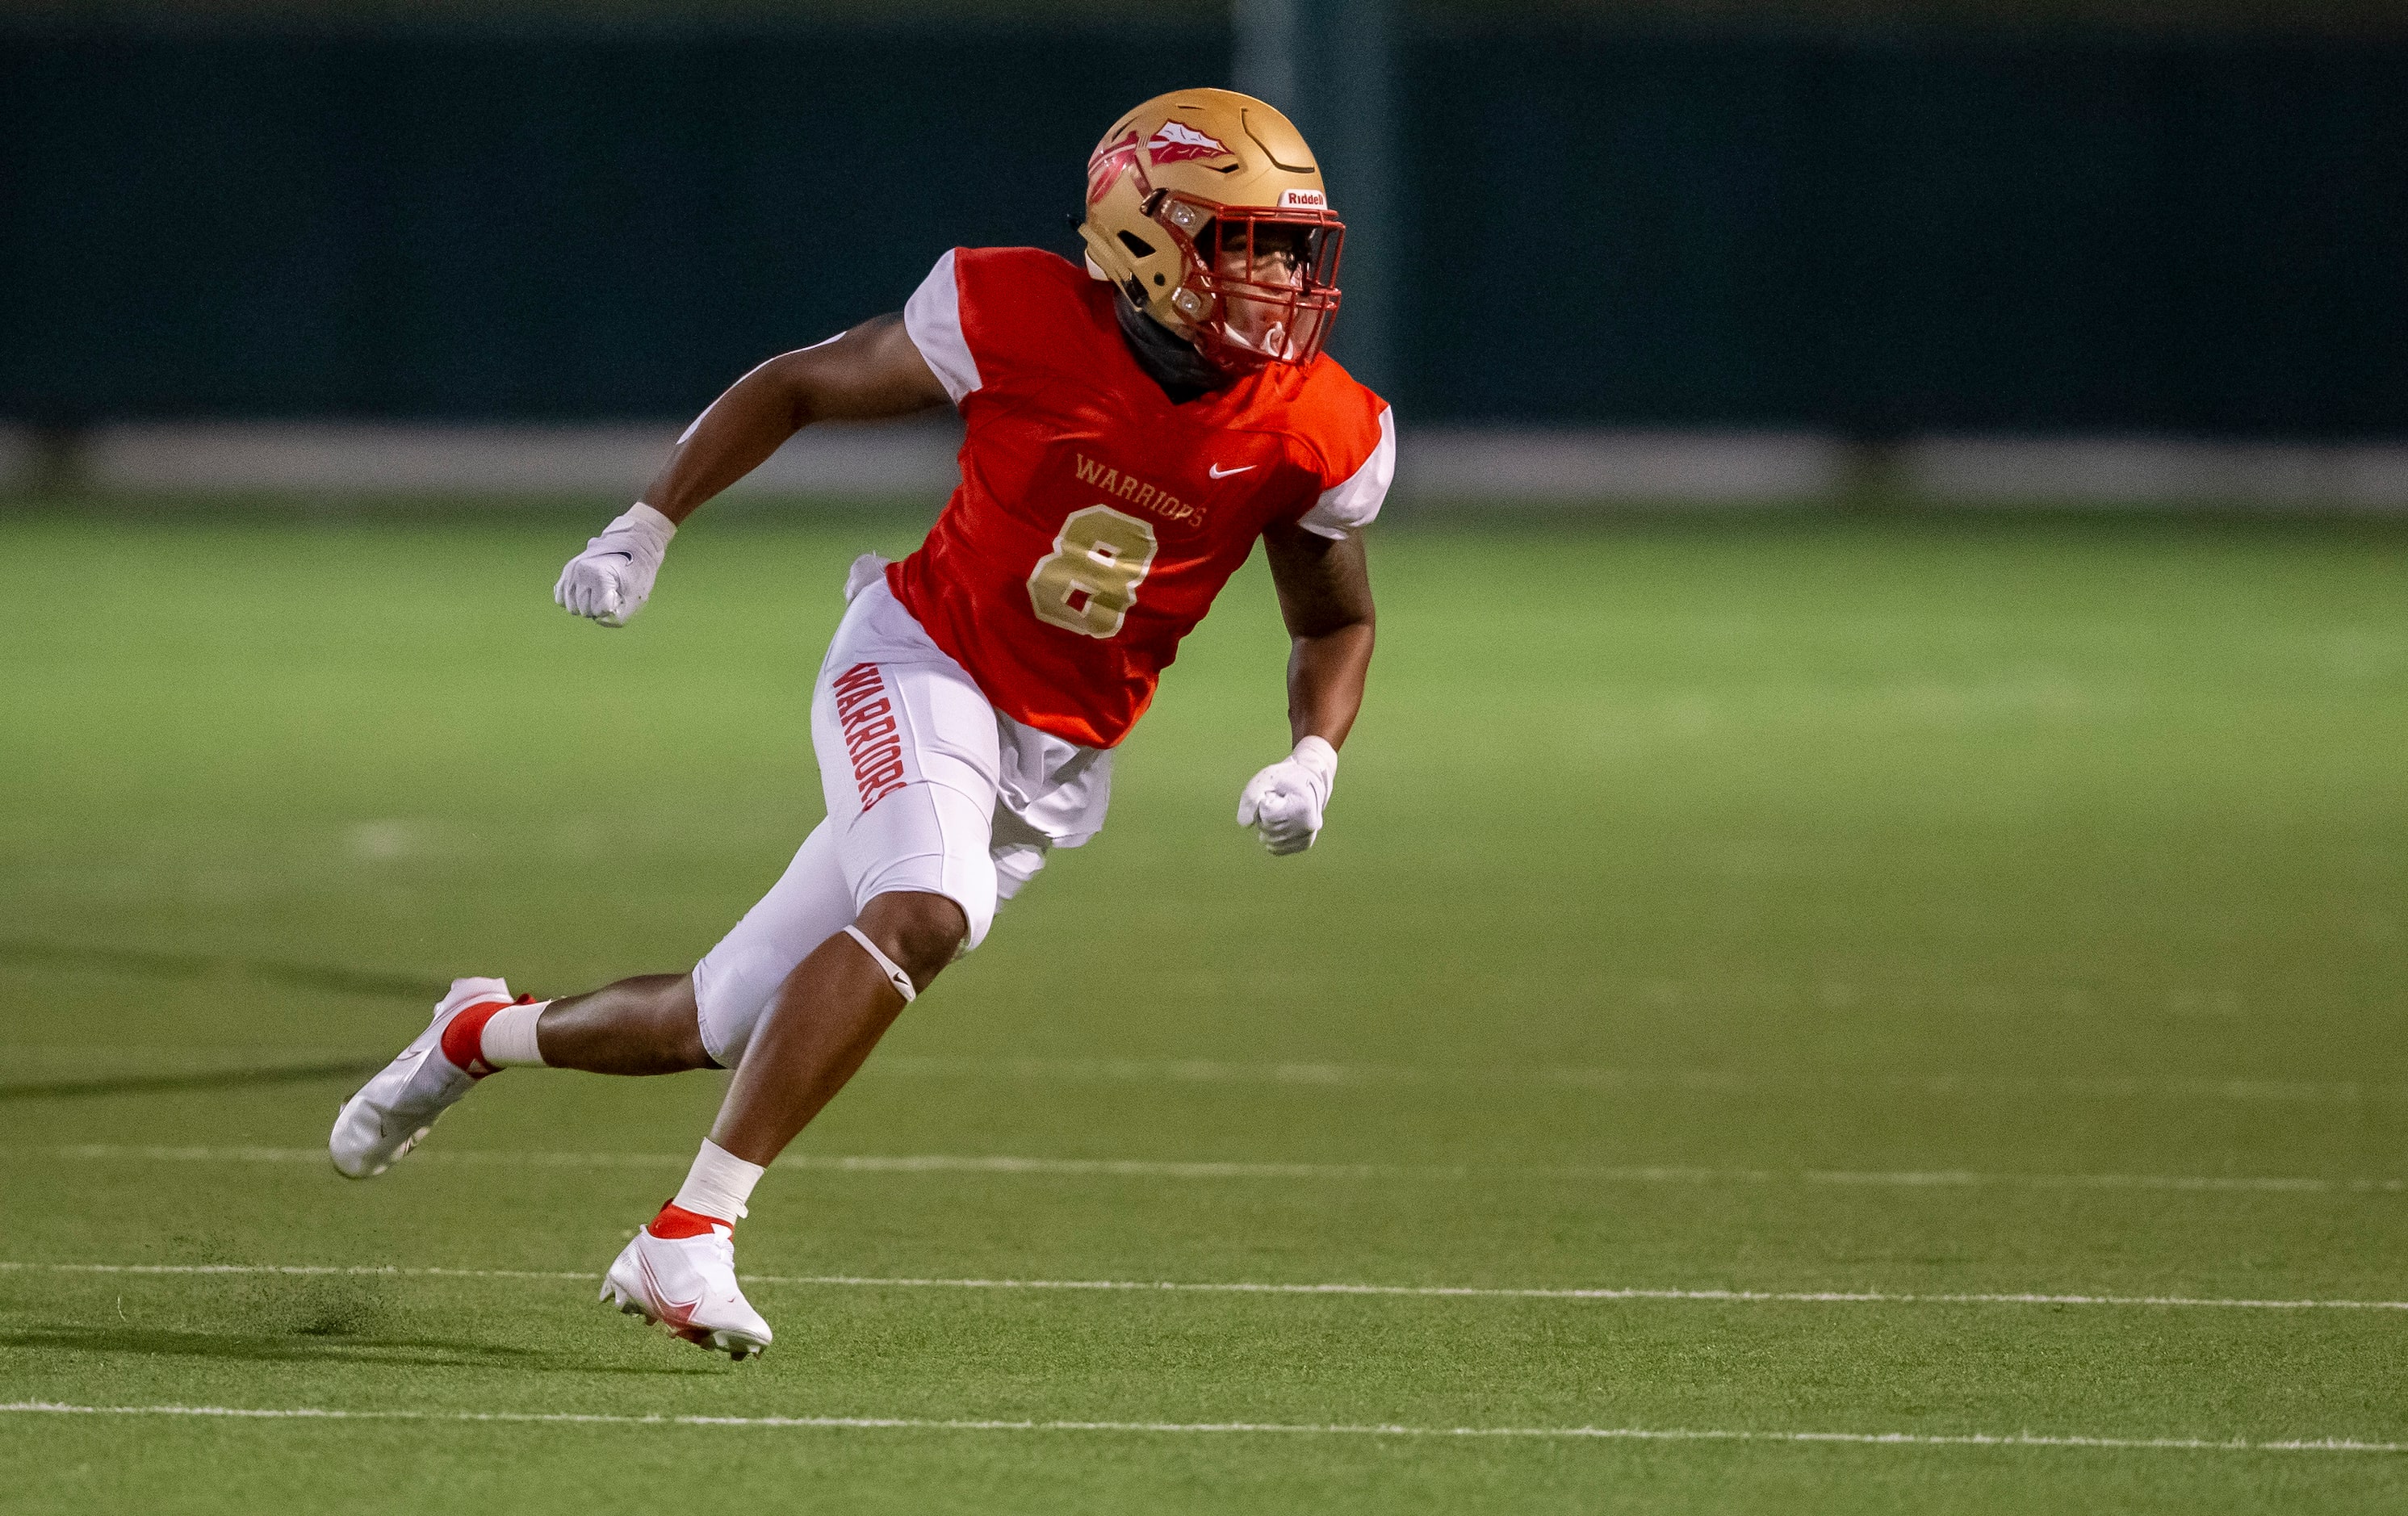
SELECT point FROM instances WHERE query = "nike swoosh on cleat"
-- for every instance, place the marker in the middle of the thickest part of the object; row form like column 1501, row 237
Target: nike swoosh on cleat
column 1220, row 473
column 680, row 1311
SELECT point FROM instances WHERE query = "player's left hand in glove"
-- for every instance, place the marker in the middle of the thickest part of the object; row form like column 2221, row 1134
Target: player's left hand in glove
column 1284, row 802
column 611, row 580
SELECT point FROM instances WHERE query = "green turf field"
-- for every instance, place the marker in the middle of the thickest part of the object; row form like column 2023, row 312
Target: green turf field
column 1747, row 913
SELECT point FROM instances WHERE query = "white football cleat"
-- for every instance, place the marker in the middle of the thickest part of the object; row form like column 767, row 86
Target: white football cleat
column 686, row 1286
column 394, row 1111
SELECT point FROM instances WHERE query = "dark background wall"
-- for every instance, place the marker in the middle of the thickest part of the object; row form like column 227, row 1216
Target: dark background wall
column 1878, row 230
column 2007, row 230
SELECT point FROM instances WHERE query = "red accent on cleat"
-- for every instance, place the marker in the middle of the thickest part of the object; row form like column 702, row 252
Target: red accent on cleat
column 675, row 1222
column 464, row 1038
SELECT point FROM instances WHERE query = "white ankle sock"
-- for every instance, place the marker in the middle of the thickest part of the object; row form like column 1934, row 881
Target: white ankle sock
column 718, row 1184
column 508, row 1038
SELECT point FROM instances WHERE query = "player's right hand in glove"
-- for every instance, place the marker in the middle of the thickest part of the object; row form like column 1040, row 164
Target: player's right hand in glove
column 611, row 580
column 1284, row 802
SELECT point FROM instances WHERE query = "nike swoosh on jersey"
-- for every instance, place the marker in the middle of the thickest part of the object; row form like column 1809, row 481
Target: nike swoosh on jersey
column 1220, row 473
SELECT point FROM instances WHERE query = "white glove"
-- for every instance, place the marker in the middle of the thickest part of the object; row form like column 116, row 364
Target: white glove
column 1284, row 803
column 611, row 580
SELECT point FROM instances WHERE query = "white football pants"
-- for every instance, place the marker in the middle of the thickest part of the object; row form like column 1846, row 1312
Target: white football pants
column 929, row 787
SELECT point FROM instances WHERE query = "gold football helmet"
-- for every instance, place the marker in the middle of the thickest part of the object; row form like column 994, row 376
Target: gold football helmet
column 1206, row 208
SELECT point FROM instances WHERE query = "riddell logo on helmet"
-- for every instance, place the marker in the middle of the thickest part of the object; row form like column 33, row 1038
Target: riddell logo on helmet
column 1176, row 143
column 1303, row 200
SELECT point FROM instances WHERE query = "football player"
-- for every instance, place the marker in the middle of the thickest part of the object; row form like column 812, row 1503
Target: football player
column 1133, row 426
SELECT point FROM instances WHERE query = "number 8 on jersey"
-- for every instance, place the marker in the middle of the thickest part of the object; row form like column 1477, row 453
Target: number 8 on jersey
column 1088, row 582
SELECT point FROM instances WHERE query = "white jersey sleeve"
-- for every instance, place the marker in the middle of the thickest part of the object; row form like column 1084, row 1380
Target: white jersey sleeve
column 933, row 320
column 1354, row 501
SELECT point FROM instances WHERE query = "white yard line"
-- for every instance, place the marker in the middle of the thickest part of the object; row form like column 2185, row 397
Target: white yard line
column 1446, row 1291
column 1218, row 1071
column 913, row 1424
column 60, row 1057
column 1211, row 1169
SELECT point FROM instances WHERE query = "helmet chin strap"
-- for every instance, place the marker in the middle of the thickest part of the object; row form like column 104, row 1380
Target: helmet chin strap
column 1169, row 359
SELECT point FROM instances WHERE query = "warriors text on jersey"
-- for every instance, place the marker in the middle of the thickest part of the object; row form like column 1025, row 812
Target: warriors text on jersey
column 1095, row 519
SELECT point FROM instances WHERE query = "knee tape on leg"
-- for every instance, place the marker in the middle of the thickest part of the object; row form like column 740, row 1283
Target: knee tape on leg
column 895, row 974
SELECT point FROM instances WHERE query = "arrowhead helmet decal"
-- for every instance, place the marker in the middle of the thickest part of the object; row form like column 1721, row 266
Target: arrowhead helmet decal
column 1175, row 142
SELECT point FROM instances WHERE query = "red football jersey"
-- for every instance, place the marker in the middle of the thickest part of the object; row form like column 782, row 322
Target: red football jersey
column 1095, row 519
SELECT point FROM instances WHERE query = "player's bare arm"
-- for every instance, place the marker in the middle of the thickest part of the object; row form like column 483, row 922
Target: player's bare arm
column 870, row 372
column 1133, row 422
column 1324, row 595
column 1324, row 591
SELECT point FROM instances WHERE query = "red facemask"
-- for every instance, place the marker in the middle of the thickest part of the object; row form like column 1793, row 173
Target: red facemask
column 1261, row 284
